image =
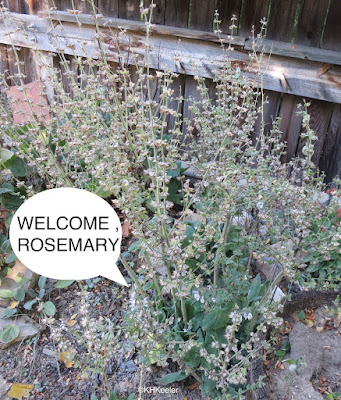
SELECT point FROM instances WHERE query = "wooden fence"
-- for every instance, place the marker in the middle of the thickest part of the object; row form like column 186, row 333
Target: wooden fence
column 303, row 37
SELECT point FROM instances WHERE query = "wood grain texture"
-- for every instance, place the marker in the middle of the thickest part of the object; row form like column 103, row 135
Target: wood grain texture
column 108, row 8
column 267, row 46
column 139, row 26
column 177, row 13
column 290, row 125
column 320, row 114
column 85, row 6
column 270, row 113
column 18, row 6
column 332, row 33
column 202, row 14
column 158, row 16
column 330, row 161
column 282, row 19
column 179, row 90
column 297, row 51
column 62, row 5
column 299, row 77
column 129, row 9
column 253, row 12
column 4, row 71
column 311, row 22
column 226, row 9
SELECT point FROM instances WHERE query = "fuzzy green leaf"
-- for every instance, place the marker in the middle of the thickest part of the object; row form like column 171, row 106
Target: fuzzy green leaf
column 8, row 333
column 49, row 309
column 174, row 377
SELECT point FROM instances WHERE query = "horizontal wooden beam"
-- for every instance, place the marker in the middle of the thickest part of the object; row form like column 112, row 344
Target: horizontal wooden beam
column 137, row 26
column 296, row 51
column 189, row 56
column 266, row 46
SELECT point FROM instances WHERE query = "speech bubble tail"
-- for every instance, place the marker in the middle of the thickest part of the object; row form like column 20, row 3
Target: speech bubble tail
column 115, row 275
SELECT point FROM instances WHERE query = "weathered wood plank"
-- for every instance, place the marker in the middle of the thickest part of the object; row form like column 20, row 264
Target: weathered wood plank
column 297, row 51
column 253, row 12
column 332, row 32
column 63, row 5
column 38, row 5
column 108, row 8
column 4, row 71
column 179, row 91
column 320, row 113
column 158, row 16
column 177, row 13
column 268, row 46
column 193, row 57
column 202, row 14
column 138, row 26
column 330, row 162
column 226, row 10
column 25, row 67
column 270, row 112
column 311, row 22
column 282, row 19
column 290, row 125
column 17, row 6
column 129, row 9
column 84, row 5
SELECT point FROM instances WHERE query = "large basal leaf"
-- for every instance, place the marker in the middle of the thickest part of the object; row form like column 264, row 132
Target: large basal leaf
column 49, row 309
column 8, row 333
column 217, row 318
column 63, row 284
column 174, row 377
column 17, row 166
column 255, row 288
column 6, row 294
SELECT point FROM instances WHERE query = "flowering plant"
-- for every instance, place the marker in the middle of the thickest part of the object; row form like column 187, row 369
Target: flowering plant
column 195, row 297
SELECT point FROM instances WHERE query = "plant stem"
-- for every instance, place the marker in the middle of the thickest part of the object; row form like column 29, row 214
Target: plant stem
column 226, row 232
column 133, row 276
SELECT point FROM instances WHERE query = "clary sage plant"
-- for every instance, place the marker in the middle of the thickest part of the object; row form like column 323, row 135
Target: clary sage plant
column 195, row 298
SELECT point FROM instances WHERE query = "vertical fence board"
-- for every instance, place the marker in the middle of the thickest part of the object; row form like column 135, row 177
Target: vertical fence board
column 282, row 20
column 311, row 22
column 253, row 12
column 18, row 6
column 108, row 8
column 330, row 162
column 332, row 32
column 320, row 113
column 129, row 9
column 3, row 70
column 177, row 13
column 84, row 6
column 226, row 9
column 202, row 14
column 159, row 12
column 290, row 124
column 63, row 5
column 270, row 112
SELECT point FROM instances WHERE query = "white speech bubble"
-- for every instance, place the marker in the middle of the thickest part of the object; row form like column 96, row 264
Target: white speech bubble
column 68, row 234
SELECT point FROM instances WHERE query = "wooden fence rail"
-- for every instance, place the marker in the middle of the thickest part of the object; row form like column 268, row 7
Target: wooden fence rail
column 302, row 37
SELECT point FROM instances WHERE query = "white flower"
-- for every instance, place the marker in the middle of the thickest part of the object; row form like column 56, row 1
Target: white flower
column 196, row 295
